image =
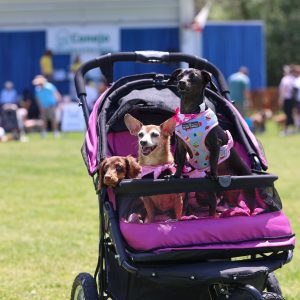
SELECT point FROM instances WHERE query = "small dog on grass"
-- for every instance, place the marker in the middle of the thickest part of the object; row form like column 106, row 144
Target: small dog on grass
column 154, row 155
column 199, row 134
column 259, row 120
column 116, row 168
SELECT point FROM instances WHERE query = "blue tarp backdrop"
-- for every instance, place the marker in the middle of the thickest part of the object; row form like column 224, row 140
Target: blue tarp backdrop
column 19, row 57
column 159, row 39
column 227, row 45
column 231, row 45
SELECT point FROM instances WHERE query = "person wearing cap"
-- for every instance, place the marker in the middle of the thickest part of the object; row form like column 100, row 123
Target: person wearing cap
column 8, row 94
column 47, row 96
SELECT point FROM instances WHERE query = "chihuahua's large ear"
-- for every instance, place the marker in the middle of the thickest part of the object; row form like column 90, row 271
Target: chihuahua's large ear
column 133, row 167
column 174, row 76
column 101, row 174
column 206, row 77
column 133, row 125
column 168, row 127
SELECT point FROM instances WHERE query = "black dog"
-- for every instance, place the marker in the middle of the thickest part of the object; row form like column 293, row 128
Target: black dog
column 191, row 84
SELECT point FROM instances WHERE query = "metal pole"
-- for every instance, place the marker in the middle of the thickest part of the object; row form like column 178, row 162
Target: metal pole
column 189, row 39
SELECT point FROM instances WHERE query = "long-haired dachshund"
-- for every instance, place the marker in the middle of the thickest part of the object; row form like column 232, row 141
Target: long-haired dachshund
column 116, row 168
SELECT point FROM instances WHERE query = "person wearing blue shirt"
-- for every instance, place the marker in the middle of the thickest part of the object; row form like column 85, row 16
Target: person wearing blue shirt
column 47, row 96
column 8, row 94
column 239, row 86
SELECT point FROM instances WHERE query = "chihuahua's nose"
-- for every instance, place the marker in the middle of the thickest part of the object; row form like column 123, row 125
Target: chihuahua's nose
column 143, row 143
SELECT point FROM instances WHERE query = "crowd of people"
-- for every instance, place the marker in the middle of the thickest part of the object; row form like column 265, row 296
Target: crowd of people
column 39, row 106
column 288, row 99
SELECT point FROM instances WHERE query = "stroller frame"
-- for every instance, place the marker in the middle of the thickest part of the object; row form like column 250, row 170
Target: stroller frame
column 240, row 279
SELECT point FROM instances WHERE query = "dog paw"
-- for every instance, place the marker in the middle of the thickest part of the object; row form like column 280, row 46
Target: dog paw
column 211, row 176
column 135, row 218
column 170, row 176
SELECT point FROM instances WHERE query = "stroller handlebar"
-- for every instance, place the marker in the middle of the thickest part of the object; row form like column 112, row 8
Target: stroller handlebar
column 105, row 63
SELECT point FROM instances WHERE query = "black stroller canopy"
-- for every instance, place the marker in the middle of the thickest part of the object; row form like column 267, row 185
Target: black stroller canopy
column 144, row 98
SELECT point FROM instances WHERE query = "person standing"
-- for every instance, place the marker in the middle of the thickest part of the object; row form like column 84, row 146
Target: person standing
column 296, row 97
column 239, row 86
column 46, row 65
column 73, row 69
column 47, row 96
column 286, row 100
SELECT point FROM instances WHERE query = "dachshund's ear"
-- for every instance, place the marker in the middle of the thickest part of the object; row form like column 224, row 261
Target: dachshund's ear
column 101, row 174
column 133, row 167
column 133, row 124
column 206, row 77
column 174, row 76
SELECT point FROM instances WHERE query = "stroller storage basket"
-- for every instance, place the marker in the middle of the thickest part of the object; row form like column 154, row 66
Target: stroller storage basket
column 229, row 235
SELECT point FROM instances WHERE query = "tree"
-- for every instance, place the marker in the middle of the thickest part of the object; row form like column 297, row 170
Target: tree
column 282, row 28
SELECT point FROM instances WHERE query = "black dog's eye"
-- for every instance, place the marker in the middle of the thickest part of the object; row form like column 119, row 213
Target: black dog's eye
column 141, row 134
column 119, row 169
column 193, row 77
column 154, row 134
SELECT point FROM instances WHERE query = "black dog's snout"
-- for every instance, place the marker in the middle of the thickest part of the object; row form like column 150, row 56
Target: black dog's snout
column 143, row 143
column 181, row 83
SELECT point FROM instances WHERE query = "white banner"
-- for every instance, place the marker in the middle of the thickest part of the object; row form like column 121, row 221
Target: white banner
column 72, row 118
column 78, row 39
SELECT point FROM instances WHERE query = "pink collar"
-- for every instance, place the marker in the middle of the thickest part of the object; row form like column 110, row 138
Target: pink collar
column 156, row 170
column 183, row 118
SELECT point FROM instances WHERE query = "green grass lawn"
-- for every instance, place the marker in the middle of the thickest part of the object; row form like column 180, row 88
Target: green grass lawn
column 49, row 214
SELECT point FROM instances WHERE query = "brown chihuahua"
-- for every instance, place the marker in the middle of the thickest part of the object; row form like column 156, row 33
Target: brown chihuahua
column 191, row 84
column 154, row 151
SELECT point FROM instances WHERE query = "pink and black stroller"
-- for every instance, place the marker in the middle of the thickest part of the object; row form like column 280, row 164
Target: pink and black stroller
column 232, row 256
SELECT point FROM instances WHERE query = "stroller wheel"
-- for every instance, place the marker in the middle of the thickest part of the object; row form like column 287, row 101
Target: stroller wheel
column 272, row 284
column 271, row 296
column 84, row 288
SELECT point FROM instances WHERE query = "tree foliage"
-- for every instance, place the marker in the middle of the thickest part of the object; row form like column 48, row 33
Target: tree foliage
column 282, row 28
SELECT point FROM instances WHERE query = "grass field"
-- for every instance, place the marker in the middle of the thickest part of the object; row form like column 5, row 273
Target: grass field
column 49, row 214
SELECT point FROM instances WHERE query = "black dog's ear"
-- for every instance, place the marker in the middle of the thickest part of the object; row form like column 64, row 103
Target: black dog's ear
column 174, row 75
column 206, row 77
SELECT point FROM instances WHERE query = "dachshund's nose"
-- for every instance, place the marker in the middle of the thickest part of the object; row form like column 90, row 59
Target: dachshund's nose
column 143, row 143
column 107, row 176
